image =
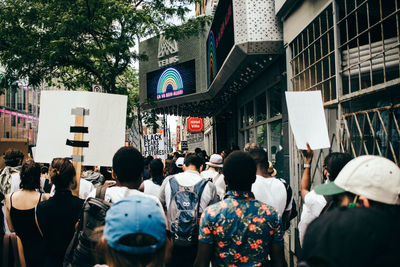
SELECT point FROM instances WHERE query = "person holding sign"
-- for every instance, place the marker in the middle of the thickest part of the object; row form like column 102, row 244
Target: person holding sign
column 313, row 203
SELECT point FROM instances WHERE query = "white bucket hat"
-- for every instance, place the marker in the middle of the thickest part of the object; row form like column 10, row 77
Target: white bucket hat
column 215, row 161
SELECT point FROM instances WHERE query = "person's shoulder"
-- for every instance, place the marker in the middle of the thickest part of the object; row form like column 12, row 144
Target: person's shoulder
column 313, row 197
column 265, row 209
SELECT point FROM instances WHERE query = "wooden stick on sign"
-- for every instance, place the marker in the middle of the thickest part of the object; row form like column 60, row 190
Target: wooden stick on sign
column 78, row 151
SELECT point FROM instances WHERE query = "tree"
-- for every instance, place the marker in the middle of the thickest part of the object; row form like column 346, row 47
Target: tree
column 78, row 43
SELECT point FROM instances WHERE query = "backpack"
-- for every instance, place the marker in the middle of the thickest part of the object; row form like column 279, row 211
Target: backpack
column 183, row 211
column 10, row 253
column 293, row 211
column 80, row 251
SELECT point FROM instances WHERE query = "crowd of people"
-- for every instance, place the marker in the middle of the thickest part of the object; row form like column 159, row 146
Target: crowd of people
column 191, row 209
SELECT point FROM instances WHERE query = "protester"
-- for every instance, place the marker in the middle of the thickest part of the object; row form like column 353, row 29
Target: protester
column 152, row 186
column 179, row 164
column 169, row 167
column 250, row 146
column 90, row 175
column 268, row 189
column 9, row 261
column 240, row 230
column 313, row 203
column 20, row 207
column 13, row 160
column 56, row 217
column 185, row 196
column 45, row 179
column 214, row 172
column 364, row 230
column 136, row 233
column 127, row 170
column 147, row 161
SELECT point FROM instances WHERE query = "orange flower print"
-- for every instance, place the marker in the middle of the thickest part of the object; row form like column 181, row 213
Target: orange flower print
column 219, row 229
column 222, row 255
column 259, row 241
column 224, row 205
column 266, row 209
column 252, row 227
column 238, row 212
column 231, row 265
column 235, row 203
column 260, row 220
column 254, row 245
column 237, row 255
column 259, row 264
column 211, row 212
column 206, row 231
column 271, row 232
column 244, row 259
column 221, row 244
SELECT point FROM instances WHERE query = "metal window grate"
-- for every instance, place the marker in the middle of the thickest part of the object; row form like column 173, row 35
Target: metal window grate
column 369, row 34
column 313, row 57
column 372, row 132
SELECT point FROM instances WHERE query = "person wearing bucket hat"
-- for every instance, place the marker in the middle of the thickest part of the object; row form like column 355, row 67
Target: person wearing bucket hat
column 364, row 230
column 136, row 233
column 214, row 172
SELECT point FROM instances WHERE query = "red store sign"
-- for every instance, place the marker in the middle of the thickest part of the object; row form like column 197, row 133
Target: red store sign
column 195, row 125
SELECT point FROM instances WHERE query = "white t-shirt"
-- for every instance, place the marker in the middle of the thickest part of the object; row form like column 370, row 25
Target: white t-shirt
column 85, row 187
column 218, row 181
column 271, row 191
column 189, row 178
column 117, row 193
column 151, row 188
column 312, row 207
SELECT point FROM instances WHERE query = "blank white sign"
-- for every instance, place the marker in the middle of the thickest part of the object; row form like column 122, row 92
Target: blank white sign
column 307, row 119
column 105, row 122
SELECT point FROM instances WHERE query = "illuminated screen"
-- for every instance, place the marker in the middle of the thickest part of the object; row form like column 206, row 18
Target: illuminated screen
column 220, row 39
column 172, row 81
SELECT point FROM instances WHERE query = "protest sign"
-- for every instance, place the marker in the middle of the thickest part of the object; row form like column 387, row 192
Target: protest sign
column 307, row 119
column 104, row 123
column 154, row 145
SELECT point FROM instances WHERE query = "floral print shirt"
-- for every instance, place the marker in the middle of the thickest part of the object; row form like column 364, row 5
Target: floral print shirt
column 240, row 229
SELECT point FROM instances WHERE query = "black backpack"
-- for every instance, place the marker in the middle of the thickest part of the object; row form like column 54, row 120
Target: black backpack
column 81, row 250
column 293, row 211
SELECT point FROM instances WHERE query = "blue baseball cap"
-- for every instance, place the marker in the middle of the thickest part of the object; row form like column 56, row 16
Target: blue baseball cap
column 136, row 214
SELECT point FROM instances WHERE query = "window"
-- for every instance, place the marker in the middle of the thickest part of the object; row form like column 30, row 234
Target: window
column 12, row 120
column 313, row 57
column 249, row 113
column 261, row 107
column 369, row 34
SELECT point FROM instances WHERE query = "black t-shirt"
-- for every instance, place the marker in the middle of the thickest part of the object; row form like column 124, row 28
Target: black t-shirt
column 57, row 218
column 353, row 237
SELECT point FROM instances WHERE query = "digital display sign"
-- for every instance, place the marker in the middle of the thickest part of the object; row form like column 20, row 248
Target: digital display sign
column 172, row 81
column 220, row 39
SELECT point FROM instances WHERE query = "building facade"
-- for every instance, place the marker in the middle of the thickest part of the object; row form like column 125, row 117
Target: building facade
column 19, row 112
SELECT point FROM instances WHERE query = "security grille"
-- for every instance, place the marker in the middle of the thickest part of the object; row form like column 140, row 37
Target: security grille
column 372, row 132
column 313, row 57
column 369, row 43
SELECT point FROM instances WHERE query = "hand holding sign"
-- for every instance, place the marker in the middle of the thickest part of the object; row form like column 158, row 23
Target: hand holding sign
column 307, row 119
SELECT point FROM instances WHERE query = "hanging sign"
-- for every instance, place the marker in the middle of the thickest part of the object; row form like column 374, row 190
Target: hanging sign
column 195, row 125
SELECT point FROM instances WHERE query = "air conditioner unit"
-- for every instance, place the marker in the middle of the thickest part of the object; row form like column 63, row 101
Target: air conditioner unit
column 371, row 55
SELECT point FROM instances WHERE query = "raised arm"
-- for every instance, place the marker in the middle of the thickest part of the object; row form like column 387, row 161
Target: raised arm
column 305, row 179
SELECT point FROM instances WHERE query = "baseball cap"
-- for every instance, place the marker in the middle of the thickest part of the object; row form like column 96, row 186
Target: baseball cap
column 179, row 162
column 136, row 214
column 376, row 178
column 215, row 161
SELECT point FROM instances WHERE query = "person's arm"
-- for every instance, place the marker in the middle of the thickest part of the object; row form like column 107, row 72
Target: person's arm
column 277, row 256
column 8, row 208
column 141, row 187
column 305, row 179
column 21, row 252
column 204, row 254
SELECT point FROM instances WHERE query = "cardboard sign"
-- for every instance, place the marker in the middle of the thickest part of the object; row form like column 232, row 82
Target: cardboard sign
column 154, row 145
column 307, row 119
column 195, row 125
column 105, row 124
